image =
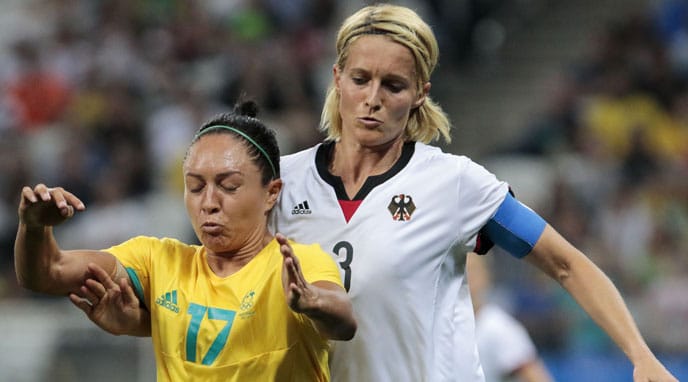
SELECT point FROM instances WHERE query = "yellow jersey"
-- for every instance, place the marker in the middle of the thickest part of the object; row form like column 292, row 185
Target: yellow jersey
column 236, row 328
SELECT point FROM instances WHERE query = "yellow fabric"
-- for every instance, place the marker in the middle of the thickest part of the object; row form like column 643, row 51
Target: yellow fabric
column 263, row 339
column 615, row 121
column 670, row 140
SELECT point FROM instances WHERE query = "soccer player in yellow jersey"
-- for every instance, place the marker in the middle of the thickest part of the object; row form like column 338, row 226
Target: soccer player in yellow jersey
column 242, row 306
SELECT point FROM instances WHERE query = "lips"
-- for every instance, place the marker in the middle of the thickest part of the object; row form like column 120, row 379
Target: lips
column 370, row 122
column 211, row 228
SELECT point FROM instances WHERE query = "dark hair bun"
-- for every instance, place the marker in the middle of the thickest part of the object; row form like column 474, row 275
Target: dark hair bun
column 247, row 108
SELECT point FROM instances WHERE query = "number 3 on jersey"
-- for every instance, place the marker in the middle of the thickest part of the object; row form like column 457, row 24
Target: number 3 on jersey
column 345, row 252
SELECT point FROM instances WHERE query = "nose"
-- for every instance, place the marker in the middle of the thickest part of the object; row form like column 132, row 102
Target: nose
column 374, row 98
column 209, row 201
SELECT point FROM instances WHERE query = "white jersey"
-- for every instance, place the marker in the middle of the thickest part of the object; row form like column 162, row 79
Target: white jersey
column 503, row 343
column 401, row 245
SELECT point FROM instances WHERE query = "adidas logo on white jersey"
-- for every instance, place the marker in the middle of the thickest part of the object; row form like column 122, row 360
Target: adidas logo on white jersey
column 301, row 209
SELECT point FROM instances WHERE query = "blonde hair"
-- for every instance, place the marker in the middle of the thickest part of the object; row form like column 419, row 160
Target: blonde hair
column 426, row 123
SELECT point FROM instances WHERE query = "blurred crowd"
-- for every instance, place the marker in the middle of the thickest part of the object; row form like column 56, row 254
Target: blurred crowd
column 103, row 97
column 615, row 133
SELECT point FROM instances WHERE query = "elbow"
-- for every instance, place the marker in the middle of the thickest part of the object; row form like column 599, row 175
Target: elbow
column 31, row 283
column 343, row 327
column 39, row 282
column 346, row 331
column 23, row 282
column 557, row 268
column 562, row 273
column 350, row 330
column 348, row 327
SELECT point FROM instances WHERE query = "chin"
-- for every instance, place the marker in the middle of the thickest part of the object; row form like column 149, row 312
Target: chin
column 375, row 140
column 213, row 243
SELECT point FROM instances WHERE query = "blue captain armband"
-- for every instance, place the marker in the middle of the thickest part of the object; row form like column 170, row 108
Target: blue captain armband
column 515, row 227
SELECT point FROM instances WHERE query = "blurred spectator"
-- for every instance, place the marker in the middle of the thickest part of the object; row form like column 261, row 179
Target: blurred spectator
column 505, row 348
column 671, row 19
column 37, row 95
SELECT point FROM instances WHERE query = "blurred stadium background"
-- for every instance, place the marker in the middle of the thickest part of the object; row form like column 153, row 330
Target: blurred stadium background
column 582, row 105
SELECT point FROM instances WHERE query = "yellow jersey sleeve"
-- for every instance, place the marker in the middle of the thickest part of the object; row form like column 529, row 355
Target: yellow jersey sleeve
column 138, row 255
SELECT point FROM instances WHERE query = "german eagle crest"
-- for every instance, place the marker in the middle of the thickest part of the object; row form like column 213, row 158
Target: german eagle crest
column 401, row 207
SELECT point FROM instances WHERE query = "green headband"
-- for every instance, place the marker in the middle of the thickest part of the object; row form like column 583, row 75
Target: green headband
column 216, row 127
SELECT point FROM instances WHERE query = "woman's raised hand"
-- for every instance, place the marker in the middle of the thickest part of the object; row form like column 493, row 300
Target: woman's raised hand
column 43, row 206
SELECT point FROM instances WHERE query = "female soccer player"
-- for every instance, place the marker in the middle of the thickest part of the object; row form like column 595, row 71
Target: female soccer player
column 243, row 306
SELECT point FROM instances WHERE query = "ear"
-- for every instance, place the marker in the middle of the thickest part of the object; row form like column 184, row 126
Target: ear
column 273, row 190
column 422, row 94
column 336, row 74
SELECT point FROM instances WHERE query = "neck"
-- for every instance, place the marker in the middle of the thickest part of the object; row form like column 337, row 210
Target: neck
column 354, row 163
column 224, row 264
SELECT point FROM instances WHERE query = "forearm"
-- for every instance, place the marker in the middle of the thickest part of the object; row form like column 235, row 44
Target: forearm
column 533, row 371
column 598, row 296
column 592, row 289
column 41, row 266
column 35, row 252
column 333, row 314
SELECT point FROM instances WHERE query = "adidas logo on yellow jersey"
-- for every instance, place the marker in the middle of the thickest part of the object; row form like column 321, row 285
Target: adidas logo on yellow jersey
column 168, row 300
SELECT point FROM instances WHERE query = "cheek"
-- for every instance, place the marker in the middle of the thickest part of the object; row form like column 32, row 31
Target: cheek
column 190, row 208
column 344, row 101
column 350, row 96
column 246, row 208
column 400, row 110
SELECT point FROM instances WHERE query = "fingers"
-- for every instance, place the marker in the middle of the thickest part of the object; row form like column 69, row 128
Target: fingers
column 106, row 284
column 102, row 276
column 80, row 303
column 296, row 282
column 42, row 191
column 291, row 269
column 96, row 288
column 88, row 294
column 285, row 247
column 72, row 200
column 64, row 200
column 290, row 259
column 28, row 195
column 292, row 263
column 281, row 238
column 128, row 295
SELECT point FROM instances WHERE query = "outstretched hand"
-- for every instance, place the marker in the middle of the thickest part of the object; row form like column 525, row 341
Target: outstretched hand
column 43, row 206
column 301, row 296
column 650, row 369
column 112, row 306
column 325, row 303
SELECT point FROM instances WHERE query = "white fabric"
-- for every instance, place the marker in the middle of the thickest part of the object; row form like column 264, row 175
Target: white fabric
column 503, row 343
column 415, row 319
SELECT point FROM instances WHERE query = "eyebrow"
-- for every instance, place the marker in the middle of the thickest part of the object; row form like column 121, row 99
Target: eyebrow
column 388, row 76
column 221, row 175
